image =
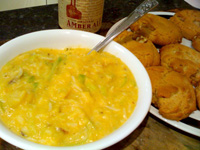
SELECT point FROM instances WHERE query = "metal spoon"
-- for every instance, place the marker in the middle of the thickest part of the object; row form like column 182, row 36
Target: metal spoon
column 142, row 9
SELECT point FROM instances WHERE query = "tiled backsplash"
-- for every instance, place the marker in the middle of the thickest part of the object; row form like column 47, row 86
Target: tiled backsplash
column 51, row 2
column 17, row 4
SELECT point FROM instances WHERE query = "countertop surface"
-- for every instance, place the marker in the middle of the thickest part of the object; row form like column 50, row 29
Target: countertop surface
column 152, row 134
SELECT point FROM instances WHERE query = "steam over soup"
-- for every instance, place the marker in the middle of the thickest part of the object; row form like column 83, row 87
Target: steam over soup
column 66, row 97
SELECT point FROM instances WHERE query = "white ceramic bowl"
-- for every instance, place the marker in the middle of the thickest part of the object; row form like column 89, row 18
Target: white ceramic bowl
column 60, row 39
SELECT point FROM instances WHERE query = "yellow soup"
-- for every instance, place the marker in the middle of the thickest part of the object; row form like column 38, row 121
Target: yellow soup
column 66, row 97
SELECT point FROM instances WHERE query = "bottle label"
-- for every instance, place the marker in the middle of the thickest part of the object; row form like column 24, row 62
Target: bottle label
column 81, row 14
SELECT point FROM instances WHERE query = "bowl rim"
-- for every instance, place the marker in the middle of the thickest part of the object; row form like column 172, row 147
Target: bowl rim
column 126, row 129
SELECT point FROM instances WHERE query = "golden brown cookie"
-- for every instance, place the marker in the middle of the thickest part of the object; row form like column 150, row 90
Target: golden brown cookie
column 159, row 30
column 188, row 21
column 173, row 94
column 124, row 37
column 145, row 51
column 196, row 42
column 182, row 59
column 198, row 95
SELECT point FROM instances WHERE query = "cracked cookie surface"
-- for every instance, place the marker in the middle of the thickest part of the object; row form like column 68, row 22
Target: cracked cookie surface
column 159, row 30
column 173, row 94
column 182, row 59
column 188, row 21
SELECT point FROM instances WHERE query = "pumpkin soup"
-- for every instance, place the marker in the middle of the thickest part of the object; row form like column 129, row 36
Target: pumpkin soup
column 66, row 97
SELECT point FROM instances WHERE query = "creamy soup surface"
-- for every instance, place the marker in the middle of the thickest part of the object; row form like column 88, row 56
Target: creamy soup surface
column 66, row 97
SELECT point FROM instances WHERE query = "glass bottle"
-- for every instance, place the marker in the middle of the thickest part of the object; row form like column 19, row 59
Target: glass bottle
column 83, row 15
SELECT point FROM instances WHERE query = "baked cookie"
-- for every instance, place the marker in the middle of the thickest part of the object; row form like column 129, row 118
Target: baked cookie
column 198, row 95
column 196, row 42
column 159, row 30
column 182, row 59
column 145, row 51
column 188, row 21
column 173, row 94
column 124, row 37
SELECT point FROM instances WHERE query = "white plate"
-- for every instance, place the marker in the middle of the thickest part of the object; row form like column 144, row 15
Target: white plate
column 196, row 114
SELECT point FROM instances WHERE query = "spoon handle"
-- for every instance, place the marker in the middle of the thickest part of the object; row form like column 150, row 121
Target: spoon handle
column 142, row 9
